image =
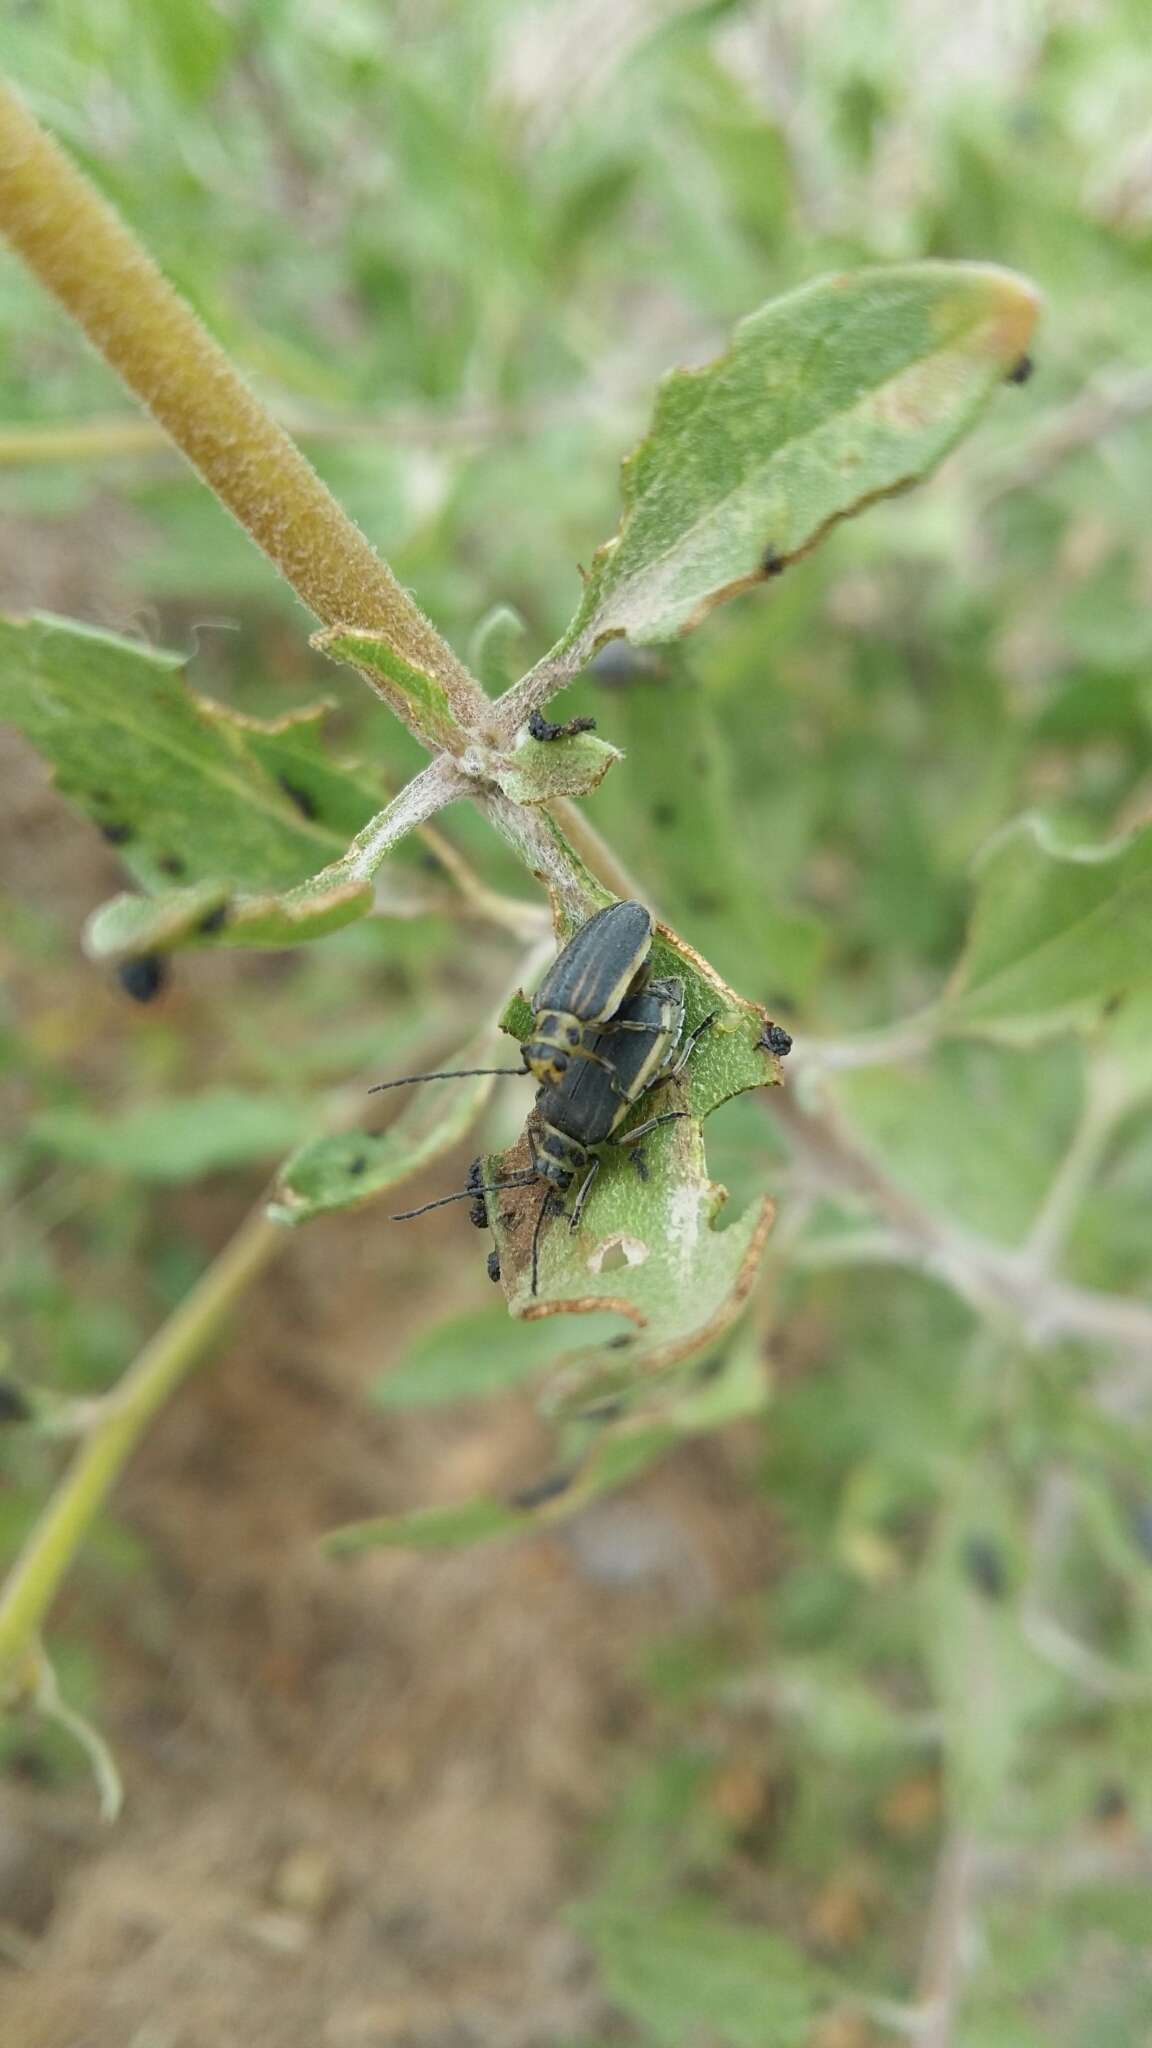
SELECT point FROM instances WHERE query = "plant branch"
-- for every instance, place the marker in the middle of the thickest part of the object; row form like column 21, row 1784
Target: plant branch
column 120, row 1421
column 438, row 784
column 83, row 253
column 942, row 1965
column 992, row 1280
column 511, row 913
column 1074, row 1176
column 595, row 851
column 1088, row 418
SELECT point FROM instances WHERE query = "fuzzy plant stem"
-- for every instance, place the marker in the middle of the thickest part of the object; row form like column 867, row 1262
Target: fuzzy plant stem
column 83, row 253
column 118, row 1423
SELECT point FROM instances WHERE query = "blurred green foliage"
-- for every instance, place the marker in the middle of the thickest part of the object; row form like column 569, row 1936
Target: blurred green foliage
column 456, row 246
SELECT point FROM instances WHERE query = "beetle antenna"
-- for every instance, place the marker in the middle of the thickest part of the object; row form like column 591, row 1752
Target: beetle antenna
column 466, row 1195
column 449, row 1074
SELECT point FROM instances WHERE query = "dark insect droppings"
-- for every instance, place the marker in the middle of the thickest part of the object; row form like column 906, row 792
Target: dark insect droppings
column 775, row 1039
column 492, row 1264
column 304, row 803
column 214, row 921
column 171, row 864
column 1110, row 1804
column 357, row 1165
column 478, row 1211
column 542, row 728
column 772, row 564
column 548, row 1488
column 984, row 1567
column 144, row 977
column 116, row 835
column 14, row 1403
column 1020, row 371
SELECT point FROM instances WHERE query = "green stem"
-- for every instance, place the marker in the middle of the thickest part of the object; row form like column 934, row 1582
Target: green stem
column 120, row 1421
column 81, row 250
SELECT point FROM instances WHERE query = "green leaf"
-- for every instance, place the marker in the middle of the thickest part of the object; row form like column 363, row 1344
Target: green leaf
column 240, row 814
column 647, row 1246
column 687, row 1975
column 419, row 699
column 937, row 1123
column 349, row 1169
column 840, row 393
column 470, row 1356
column 1056, row 932
column 536, row 771
column 494, row 650
column 590, row 1465
column 174, row 1138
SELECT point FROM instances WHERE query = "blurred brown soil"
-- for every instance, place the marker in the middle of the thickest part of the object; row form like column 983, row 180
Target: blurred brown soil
column 360, row 1795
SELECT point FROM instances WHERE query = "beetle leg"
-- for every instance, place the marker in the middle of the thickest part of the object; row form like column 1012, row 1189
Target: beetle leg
column 689, row 1043
column 670, row 1116
column 582, row 1197
column 543, row 1211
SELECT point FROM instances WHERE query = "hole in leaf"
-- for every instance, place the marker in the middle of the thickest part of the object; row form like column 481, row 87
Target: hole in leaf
column 616, row 1252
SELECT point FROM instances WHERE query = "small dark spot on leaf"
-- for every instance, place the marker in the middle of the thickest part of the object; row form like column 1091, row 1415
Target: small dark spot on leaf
column 775, row 1039
column 639, row 1158
column 304, row 803
column 984, row 1566
column 116, row 835
column 710, row 1368
column 621, row 1342
column 492, row 1266
column 172, row 864
column 542, row 728
column 358, row 1165
column 1020, row 371
column 214, row 920
column 664, row 814
column 550, row 1487
column 1110, row 1803
column 772, row 563
column 706, row 903
column 144, row 977
column 14, row 1403
column 618, row 665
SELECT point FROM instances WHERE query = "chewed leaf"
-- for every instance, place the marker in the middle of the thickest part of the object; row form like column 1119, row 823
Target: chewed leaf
column 647, row 1254
column 1056, row 931
column 230, row 826
column 349, row 1169
column 854, row 387
column 647, row 1247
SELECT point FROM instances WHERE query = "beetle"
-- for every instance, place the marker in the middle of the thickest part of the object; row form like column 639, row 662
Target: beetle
column 638, row 1050
column 586, row 986
column 582, row 993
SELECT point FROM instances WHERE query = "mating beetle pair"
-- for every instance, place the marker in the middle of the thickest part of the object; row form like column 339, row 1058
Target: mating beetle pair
column 603, row 1035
